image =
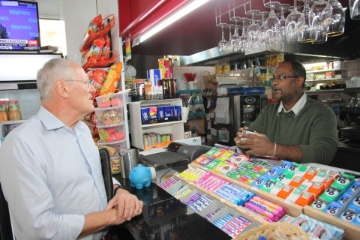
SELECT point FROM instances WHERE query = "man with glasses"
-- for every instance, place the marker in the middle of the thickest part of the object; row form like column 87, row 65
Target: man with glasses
column 297, row 128
column 50, row 169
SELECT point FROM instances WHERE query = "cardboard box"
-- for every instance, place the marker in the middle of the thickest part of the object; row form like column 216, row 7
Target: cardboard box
column 153, row 76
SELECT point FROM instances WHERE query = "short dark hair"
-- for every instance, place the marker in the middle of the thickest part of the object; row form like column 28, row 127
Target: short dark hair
column 298, row 69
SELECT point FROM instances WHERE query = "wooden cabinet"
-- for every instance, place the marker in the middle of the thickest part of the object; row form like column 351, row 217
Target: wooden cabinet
column 176, row 128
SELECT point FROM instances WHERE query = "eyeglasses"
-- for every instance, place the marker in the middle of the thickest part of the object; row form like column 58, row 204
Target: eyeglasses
column 86, row 82
column 281, row 78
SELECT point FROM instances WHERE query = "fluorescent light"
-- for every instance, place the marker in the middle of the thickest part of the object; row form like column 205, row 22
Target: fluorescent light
column 173, row 18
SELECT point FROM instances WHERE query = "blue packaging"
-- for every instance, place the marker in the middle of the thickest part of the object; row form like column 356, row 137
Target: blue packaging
column 355, row 204
column 177, row 113
column 334, row 208
column 260, row 181
column 356, row 221
column 169, row 113
column 145, row 116
column 161, row 113
column 344, row 199
column 285, row 165
column 153, row 76
column 274, row 172
column 354, row 188
column 348, row 215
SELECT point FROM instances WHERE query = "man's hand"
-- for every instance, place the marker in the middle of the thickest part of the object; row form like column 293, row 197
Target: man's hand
column 258, row 144
column 126, row 204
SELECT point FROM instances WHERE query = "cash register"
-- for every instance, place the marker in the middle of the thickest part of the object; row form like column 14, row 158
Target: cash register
column 176, row 156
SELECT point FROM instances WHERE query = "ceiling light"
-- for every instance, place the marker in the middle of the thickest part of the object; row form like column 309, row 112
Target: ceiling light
column 173, row 18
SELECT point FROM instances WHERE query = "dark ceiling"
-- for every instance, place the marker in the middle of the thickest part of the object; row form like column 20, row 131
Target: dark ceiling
column 197, row 31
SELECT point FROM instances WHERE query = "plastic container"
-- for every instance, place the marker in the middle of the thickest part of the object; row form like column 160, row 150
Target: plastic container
column 112, row 134
column 3, row 111
column 110, row 100
column 117, row 146
column 115, row 166
column 109, row 116
column 14, row 113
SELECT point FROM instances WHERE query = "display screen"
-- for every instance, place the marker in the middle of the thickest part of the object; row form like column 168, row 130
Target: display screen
column 19, row 26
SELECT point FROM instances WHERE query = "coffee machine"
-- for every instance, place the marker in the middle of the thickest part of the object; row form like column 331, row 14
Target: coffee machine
column 350, row 135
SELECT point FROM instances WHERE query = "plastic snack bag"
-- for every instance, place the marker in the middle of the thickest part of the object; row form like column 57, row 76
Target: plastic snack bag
column 112, row 79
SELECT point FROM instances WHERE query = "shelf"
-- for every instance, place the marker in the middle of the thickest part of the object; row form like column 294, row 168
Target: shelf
column 160, row 124
column 352, row 90
column 325, row 79
column 322, row 71
column 327, row 90
column 137, row 129
column 12, row 122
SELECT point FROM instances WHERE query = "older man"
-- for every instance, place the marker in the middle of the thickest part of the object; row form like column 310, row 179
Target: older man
column 50, row 168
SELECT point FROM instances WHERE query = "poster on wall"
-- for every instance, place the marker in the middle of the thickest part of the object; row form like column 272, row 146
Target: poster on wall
column 127, row 49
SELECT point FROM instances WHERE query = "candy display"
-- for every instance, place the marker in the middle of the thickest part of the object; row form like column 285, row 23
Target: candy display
column 112, row 134
column 109, row 116
column 110, row 100
column 337, row 194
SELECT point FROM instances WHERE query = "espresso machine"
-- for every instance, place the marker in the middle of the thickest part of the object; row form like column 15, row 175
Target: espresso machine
column 350, row 135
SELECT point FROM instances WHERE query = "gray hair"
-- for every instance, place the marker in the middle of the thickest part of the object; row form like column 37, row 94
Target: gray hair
column 53, row 70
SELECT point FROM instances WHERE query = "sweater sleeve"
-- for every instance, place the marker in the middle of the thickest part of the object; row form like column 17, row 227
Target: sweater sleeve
column 323, row 142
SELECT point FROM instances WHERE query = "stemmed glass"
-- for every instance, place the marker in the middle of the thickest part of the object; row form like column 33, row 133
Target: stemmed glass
column 354, row 7
column 262, row 36
column 243, row 38
column 320, row 15
column 229, row 46
column 283, row 8
column 253, row 30
column 337, row 25
column 292, row 22
column 235, row 38
column 304, row 27
column 272, row 25
column 222, row 42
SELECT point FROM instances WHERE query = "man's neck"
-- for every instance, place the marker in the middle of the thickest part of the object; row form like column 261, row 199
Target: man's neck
column 291, row 102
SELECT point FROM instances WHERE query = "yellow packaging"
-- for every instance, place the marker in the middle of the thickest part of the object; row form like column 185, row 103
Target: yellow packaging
column 112, row 79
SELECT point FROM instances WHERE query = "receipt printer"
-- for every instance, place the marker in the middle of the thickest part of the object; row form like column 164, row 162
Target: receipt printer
column 175, row 154
column 190, row 151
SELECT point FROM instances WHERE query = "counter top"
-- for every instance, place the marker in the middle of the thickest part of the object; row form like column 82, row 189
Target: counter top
column 164, row 217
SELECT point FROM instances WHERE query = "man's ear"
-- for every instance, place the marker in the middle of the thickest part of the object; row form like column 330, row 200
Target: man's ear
column 61, row 89
column 300, row 81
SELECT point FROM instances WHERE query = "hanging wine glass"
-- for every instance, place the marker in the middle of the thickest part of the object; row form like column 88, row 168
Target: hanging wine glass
column 320, row 15
column 253, row 31
column 222, row 43
column 292, row 22
column 337, row 25
column 228, row 46
column 283, row 8
column 243, row 38
column 235, row 38
column 304, row 27
column 354, row 7
column 272, row 24
column 262, row 35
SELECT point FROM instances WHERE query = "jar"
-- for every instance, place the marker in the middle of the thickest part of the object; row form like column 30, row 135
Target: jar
column 3, row 111
column 14, row 113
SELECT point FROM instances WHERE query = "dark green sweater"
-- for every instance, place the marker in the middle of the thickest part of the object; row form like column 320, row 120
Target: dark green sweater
column 314, row 129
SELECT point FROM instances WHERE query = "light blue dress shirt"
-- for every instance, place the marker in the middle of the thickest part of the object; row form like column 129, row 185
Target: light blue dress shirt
column 51, row 177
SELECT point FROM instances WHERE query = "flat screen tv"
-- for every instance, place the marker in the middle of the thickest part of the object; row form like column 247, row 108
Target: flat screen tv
column 19, row 26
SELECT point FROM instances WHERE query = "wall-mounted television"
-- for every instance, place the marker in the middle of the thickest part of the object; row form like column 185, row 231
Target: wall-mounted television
column 19, row 26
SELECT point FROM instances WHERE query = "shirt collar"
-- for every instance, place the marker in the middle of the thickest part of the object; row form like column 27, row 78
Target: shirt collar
column 50, row 121
column 296, row 108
